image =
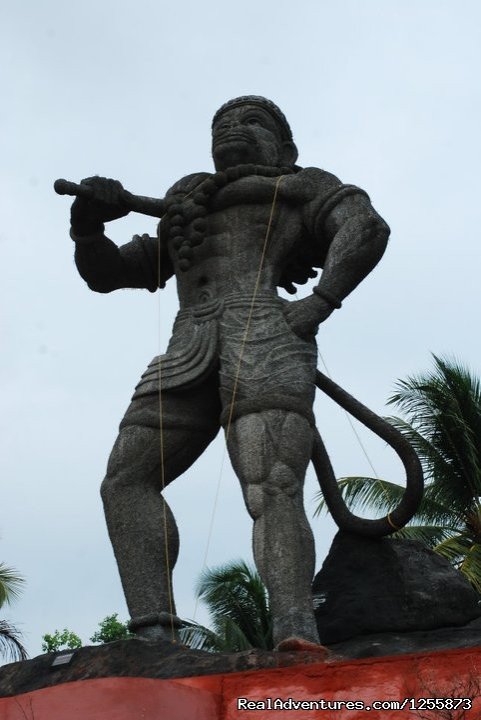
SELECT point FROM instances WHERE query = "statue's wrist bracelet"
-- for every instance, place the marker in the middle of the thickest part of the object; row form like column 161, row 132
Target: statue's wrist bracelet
column 328, row 297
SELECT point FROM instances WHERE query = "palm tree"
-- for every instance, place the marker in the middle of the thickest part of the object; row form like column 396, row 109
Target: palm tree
column 239, row 608
column 10, row 644
column 443, row 408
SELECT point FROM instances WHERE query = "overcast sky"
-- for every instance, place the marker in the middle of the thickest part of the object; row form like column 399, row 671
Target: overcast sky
column 384, row 93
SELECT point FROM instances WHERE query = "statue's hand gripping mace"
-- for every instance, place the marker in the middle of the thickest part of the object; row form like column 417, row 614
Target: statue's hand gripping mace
column 137, row 203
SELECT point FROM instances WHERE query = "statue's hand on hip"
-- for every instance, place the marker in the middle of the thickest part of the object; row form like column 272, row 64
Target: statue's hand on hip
column 304, row 316
column 88, row 214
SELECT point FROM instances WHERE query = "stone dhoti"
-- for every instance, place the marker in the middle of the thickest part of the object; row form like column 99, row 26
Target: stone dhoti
column 227, row 358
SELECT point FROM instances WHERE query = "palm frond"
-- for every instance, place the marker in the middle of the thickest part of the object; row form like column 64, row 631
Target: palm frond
column 11, row 646
column 235, row 593
column 228, row 638
column 10, row 585
column 455, row 548
column 199, row 637
column 233, row 638
column 429, row 535
column 430, row 456
column 465, row 555
column 443, row 475
column 380, row 497
column 471, row 566
column 444, row 407
column 365, row 493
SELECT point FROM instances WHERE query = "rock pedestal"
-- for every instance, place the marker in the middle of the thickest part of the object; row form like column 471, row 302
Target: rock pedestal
column 371, row 586
column 387, row 688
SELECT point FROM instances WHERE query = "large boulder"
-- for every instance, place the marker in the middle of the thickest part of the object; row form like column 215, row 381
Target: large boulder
column 372, row 586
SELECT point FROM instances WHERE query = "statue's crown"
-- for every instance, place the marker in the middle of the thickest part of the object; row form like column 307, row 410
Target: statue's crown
column 262, row 102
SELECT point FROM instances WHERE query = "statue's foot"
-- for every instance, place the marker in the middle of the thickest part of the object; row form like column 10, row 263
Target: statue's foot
column 296, row 644
column 156, row 626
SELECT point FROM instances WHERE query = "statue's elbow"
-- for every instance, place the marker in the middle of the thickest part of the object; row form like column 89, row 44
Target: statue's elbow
column 378, row 232
column 100, row 286
column 383, row 231
column 96, row 280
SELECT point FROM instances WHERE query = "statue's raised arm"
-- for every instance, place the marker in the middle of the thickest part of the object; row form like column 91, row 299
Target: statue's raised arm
column 103, row 265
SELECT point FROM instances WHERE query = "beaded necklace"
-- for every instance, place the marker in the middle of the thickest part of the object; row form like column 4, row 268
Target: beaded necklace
column 179, row 217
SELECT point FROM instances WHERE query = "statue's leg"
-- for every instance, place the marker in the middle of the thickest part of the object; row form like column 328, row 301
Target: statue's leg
column 270, row 451
column 141, row 526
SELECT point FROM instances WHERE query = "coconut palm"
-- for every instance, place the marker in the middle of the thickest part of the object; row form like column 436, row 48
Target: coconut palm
column 443, row 410
column 239, row 608
column 10, row 644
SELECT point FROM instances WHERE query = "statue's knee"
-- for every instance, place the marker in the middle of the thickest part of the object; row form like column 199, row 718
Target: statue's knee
column 107, row 488
column 121, row 470
column 135, row 457
column 254, row 499
column 118, row 482
column 283, row 481
column 263, row 492
column 116, row 476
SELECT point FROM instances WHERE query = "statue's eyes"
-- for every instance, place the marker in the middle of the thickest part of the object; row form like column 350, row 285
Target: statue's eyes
column 253, row 121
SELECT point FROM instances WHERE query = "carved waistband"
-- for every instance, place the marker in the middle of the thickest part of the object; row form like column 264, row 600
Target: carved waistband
column 210, row 309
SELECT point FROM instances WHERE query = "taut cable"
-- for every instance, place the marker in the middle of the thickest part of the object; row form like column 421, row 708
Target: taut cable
column 162, row 458
column 236, row 379
column 363, row 448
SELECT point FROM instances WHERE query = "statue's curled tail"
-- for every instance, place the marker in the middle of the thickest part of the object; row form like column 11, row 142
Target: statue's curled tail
column 343, row 517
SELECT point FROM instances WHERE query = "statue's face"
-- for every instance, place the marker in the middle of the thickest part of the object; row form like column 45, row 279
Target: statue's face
column 246, row 134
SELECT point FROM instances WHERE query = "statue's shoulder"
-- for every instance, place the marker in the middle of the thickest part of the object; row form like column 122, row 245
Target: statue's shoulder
column 321, row 192
column 314, row 183
column 188, row 183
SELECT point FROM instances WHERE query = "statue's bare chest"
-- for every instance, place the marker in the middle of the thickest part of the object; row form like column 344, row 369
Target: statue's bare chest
column 254, row 223
column 238, row 220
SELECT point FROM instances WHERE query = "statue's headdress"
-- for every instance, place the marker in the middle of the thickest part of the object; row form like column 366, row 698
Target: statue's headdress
column 263, row 103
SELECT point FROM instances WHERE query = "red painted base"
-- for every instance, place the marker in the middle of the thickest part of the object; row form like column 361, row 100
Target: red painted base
column 295, row 693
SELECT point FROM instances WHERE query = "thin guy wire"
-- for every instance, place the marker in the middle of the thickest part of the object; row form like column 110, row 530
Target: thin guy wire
column 358, row 438
column 162, row 459
column 236, row 380
column 161, row 437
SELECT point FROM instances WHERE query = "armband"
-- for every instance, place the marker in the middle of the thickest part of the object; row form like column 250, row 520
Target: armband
column 328, row 297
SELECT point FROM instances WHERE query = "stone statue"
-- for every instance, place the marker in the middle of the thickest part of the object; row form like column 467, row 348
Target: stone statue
column 240, row 356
